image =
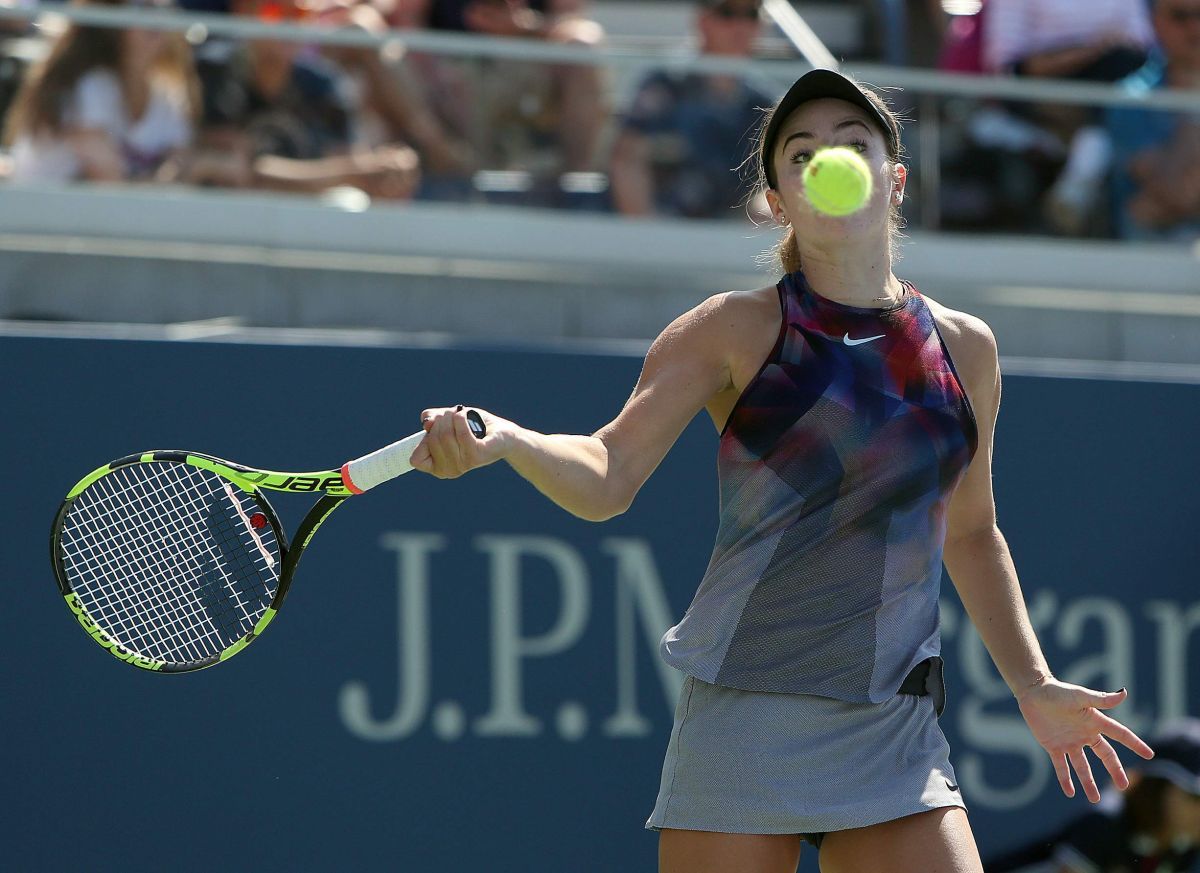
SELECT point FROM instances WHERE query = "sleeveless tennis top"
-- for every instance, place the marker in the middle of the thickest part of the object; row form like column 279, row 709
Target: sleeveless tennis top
column 835, row 467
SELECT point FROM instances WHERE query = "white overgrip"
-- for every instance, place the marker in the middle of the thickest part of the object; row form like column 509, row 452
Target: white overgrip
column 380, row 466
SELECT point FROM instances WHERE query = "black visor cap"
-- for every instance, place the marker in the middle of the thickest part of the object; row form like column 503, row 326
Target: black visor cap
column 815, row 85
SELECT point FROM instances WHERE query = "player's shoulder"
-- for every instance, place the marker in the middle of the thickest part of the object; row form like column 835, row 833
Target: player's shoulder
column 963, row 326
column 721, row 321
column 733, row 310
column 971, row 342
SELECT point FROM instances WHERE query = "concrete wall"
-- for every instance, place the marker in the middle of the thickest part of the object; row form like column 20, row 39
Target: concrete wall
column 164, row 256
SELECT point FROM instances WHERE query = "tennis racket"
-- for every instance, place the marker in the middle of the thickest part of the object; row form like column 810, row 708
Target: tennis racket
column 174, row 561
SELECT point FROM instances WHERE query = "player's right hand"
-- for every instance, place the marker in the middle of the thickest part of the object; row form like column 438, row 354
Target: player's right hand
column 450, row 449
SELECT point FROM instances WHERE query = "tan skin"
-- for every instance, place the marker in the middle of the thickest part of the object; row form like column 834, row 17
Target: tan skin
column 704, row 360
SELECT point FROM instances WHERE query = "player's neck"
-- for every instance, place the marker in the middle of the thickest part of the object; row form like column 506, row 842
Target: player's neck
column 848, row 277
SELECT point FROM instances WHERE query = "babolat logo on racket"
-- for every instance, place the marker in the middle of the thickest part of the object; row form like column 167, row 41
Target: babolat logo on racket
column 115, row 649
column 300, row 484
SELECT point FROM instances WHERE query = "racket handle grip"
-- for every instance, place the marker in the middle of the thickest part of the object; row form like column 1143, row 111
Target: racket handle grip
column 387, row 463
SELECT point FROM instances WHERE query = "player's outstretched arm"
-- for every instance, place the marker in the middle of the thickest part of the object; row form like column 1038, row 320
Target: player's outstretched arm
column 596, row 477
column 1065, row 719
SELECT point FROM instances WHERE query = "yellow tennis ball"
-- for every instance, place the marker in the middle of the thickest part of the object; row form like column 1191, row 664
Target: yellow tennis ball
column 837, row 181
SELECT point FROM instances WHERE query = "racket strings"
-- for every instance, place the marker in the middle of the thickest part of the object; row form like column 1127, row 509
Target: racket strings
column 107, row 542
column 183, row 614
column 163, row 559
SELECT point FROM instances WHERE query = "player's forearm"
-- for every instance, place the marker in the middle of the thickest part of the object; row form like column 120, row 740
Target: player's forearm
column 986, row 580
column 571, row 470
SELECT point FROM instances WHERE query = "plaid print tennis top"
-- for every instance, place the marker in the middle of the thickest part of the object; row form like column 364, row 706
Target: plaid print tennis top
column 835, row 467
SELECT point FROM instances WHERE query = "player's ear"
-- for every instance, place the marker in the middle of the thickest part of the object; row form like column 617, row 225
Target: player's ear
column 899, row 180
column 775, row 204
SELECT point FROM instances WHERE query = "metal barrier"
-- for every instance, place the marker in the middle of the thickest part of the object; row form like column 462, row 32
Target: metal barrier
column 198, row 26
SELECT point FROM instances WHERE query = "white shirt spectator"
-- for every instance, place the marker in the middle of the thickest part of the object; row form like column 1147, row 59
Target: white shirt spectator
column 1015, row 29
column 97, row 104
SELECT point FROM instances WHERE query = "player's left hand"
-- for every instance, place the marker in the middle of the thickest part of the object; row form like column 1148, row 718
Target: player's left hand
column 1065, row 719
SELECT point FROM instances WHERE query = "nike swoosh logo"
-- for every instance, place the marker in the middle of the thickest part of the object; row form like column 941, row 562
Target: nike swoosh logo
column 951, row 785
column 858, row 342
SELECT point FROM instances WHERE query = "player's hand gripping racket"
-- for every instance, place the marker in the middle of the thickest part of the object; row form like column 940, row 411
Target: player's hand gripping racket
column 175, row 561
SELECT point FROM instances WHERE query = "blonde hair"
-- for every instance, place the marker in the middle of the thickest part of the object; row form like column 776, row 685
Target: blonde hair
column 787, row 252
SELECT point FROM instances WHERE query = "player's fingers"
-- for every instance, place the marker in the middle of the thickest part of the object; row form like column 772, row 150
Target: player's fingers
column 1084, row 771
column 468, row 444
column 1108, row 757
column 440, row 441
column 446, row 432
column 420, row 458
column 1063, row 771
column 1110, row 727
column 1106, row 699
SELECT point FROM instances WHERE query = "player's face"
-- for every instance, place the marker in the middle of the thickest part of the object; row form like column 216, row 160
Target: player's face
column 822, row 123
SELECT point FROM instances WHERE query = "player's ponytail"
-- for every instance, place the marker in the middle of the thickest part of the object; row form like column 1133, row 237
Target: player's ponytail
column 788, row 252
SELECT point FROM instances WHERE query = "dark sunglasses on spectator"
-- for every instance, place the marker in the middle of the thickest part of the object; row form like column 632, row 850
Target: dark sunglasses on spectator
column 730, row 12
column 1183, row 16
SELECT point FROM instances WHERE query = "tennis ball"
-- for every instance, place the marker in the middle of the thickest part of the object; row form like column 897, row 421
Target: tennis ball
column 837, row 181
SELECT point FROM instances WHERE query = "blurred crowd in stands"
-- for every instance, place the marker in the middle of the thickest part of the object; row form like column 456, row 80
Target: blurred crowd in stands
column 128, row 105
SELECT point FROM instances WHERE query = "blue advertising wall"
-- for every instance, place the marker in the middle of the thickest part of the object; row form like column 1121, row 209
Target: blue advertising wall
column 464, row 677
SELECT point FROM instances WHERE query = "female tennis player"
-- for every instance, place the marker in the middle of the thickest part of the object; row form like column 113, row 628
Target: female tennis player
column 856, row 418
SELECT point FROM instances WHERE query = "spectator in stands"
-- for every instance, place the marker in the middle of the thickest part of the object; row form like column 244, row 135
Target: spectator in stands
column 391, row 107
column 440, row 86
column 1156, row 178
column 672, row 155
column 276, row 117
column 1154, row 827
column 1101, row 40
column 1093, row 40
column 106, row 105
column 540, row 120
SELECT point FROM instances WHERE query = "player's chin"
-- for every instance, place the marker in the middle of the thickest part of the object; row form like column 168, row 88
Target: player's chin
column 871, row 219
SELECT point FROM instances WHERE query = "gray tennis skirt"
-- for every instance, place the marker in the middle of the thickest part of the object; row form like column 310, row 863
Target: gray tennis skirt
column 753, row 762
